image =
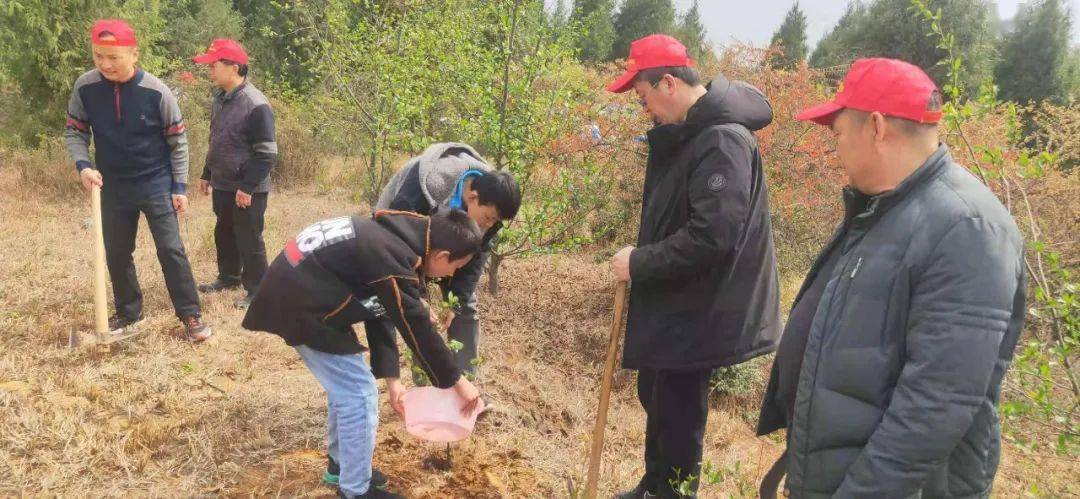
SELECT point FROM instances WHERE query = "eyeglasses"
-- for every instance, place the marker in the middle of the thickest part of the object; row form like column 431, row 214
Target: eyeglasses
column 641, row 98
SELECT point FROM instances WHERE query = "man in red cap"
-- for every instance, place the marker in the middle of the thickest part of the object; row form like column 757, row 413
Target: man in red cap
column 141, row 159
column 704, row 291
column 242, row 152
column 889, row 372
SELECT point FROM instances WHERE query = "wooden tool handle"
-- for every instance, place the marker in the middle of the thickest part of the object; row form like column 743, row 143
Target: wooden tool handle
column 101, row 310
column 605, row 393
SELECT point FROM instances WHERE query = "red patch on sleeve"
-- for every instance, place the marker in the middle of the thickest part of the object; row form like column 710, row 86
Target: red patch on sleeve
column 293, row 253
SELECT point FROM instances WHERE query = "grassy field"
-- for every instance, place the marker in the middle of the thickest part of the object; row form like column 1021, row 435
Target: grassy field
column 241, row 416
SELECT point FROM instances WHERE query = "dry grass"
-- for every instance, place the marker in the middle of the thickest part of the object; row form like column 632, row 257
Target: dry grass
column 241, row 416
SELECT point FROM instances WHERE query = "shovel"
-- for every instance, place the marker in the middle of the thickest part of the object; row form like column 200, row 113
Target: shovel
column 102, row 335
column 605, row 393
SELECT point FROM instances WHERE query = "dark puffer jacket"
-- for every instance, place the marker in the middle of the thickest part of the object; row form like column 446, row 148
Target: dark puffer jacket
column 900, row 381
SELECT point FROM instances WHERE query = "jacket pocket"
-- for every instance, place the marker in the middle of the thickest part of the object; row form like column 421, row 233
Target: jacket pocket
column 225, row 164
column 865, row 374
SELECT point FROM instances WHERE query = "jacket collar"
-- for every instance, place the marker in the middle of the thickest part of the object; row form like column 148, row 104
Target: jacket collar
column 701, row 114
column 709, row 108
column 725, row 101
column 223, row 95
column 863, row 208
column 134, row 80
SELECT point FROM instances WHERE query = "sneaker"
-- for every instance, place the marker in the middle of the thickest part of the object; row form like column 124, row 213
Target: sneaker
column 118, row 322
column 219, row 284
column 379, row 480
column 244, row 303
column 372, row 493
column 195, row 329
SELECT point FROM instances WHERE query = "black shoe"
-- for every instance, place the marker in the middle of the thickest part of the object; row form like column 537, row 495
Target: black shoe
column 378, row 479
column 118, row 321
column 372, row 493
column 639, row 492
column 219, row 284
column 245, row 302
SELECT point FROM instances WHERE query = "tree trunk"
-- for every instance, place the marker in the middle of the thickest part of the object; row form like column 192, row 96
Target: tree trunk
column 493, row 274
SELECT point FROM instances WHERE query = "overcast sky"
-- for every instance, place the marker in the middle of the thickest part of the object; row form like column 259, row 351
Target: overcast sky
column 754, row 22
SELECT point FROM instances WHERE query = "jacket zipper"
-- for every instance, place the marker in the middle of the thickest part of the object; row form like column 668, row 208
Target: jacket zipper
column 858, row 265
column 116, row 100
column 842, row 265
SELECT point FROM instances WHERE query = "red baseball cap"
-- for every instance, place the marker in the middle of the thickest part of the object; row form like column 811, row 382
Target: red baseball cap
column 121, row 32
column 223, row 48
column 653, row 51
column 887, row 86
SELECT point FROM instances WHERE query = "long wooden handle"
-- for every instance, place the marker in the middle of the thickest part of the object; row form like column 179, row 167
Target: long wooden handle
column 101, row 311
column 605, row 393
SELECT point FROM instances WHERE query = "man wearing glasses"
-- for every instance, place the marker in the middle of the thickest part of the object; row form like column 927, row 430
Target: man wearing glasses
column 704, row 291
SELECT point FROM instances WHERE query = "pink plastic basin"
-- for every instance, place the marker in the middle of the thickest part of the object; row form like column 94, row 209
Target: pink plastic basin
column 435, row 415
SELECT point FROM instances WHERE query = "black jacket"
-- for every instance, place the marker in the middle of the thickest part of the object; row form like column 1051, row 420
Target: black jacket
column 901, row 377
column 704, row 290
column 346, row 270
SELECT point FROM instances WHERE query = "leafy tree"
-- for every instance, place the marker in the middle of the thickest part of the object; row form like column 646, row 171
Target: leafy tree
column 395, row 80
column 1071, row 74
column 45, row 46
column 193, row 24
column 284, row 33
column 791, row 40
column 559, row 16
column 692, row 33
column 1034, row 54
column 639, row 18
column 595, row 19
column 883, row 28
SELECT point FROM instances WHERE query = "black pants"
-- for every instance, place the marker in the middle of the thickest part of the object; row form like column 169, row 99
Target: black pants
column 465, row 329
column 120, row 224
column 676, row 406
column 241, row 252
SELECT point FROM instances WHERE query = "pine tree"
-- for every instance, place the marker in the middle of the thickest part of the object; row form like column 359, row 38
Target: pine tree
column 1071, row 74
column 889, row 28
column 831, row 49
column 692, row 33
column 595, row 19
column 1034, row 54
column 640, row 18
column 791, row 39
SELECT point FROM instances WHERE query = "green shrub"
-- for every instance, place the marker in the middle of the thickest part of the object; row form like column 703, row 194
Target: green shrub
column 740, row 380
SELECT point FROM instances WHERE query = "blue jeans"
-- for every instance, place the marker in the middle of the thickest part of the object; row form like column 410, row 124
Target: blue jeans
column 353, row 413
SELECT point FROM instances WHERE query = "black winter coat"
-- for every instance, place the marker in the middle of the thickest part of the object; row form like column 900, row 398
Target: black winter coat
column 704, row 289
